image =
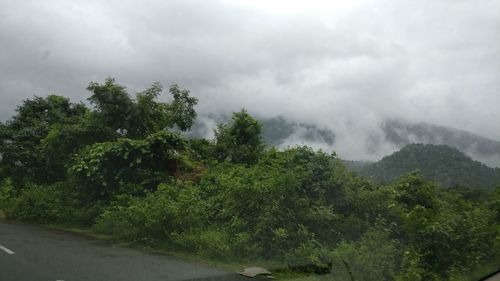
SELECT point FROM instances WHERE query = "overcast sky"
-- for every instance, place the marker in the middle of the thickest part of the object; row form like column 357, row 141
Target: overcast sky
column 340, row 64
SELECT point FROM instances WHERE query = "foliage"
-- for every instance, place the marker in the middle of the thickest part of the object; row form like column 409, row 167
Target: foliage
column 182, row 112
column 105, row 169
column 41, row 204
column 23, row 158
column 113, row 105
column 7, row 196
column 239, row 141
column 145, row 115
column 374, row 256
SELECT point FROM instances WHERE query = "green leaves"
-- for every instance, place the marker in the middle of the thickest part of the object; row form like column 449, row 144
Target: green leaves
column 24, row 157
column 181, row 110
column 240, row 141
column 38, row 143
column 145, row 115
column 105, row 167
column 113, row 104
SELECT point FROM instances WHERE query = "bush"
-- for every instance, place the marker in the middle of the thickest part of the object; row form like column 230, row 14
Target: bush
column 374, row 257
column 154, row 217
column 42, row 204
column 121, row 222
column 7, row 196
column 211, row 243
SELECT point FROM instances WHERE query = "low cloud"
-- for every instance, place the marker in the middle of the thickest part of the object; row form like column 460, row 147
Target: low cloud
column 344, row 67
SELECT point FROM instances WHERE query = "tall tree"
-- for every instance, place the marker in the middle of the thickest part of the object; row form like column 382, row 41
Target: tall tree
column 137, row 118
column 113, row 104
column 181, row 109
column 241, row 140
column 22, row 155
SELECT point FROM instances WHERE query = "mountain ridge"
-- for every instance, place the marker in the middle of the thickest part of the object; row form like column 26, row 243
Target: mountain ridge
column 280, row 131
column 440, row 163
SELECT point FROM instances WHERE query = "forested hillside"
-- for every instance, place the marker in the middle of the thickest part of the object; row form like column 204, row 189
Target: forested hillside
column 120, row 168
column 477, row 147
column 439, row 163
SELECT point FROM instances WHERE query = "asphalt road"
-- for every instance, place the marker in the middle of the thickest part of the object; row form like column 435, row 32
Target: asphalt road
column 32, row 253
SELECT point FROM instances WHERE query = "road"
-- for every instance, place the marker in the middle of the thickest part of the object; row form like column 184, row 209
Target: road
column 32, row 253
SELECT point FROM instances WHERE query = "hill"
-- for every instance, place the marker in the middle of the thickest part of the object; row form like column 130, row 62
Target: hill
column 479, row 148
column 440, row 163
column 280, row 131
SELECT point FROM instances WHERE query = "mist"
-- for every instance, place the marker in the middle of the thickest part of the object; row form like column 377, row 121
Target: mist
column 342, row 67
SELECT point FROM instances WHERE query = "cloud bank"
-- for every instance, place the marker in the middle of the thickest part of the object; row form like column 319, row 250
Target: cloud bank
column 342, row 66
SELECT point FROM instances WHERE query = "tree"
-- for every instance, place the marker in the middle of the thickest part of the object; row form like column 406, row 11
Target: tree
column 21, row 150
column 113, row 105
column 181, row 109
column 137, row 118
column 63, row 141
column 38, row 143
column 128, row 166
column 240, row 141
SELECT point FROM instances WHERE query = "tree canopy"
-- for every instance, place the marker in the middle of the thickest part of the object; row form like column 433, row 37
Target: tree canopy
column 241, row 140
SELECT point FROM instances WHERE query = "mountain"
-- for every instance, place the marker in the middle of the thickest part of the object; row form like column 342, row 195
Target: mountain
column 477, row 147
column 279, row 131
column 356, row 165
column 276, row 131
column 440, row 163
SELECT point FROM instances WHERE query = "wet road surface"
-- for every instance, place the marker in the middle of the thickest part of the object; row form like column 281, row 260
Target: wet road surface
column 32, row 253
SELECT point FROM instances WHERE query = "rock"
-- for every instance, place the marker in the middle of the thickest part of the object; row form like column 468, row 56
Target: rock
column 254, row 271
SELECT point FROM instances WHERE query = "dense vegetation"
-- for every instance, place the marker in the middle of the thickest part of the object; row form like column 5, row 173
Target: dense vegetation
column 439, row 163
column 120, row 168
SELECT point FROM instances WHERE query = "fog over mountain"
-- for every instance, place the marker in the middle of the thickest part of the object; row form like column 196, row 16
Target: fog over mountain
column 342, row 67
column 385, row 138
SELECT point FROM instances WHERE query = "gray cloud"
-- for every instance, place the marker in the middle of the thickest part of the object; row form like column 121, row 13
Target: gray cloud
column 346, row 68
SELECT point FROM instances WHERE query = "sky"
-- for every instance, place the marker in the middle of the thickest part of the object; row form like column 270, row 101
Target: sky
column 345, row 65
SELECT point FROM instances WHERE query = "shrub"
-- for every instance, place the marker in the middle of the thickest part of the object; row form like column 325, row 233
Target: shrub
column 374, row 257
column 7, row 196
column 42, row 204
column 211, row 243
column 154, row 217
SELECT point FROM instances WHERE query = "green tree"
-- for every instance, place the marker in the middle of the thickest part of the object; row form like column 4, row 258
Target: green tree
column 113, row 105
column 65, row 140
column 22, row 155
column 144, row 115
column 128, row 166
column 181, row 109
column 240, row 141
